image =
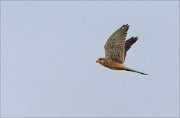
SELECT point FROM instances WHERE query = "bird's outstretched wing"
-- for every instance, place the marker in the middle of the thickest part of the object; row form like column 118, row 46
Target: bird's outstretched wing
column 129, row 43
column 115, row 45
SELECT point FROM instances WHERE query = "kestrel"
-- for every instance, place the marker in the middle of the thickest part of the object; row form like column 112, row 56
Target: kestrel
column 116, row 48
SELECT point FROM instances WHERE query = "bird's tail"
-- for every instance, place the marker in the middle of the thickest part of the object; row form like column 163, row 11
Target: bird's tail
column 132, row 70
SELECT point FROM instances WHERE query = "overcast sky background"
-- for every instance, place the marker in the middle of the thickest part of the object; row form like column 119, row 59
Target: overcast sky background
column 49, row 51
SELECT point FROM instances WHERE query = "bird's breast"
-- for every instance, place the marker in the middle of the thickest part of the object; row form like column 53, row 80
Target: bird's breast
column 114, row 65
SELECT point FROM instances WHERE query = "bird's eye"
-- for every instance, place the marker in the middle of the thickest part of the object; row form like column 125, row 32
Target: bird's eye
column 101, row 60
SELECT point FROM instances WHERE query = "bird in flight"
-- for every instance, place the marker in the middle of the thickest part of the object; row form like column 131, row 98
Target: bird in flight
column 116, row 48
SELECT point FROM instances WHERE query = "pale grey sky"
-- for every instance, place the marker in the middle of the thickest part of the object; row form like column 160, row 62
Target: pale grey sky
column 49, row 49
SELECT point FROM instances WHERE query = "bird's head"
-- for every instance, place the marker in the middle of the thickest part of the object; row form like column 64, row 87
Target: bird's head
column 100, row 60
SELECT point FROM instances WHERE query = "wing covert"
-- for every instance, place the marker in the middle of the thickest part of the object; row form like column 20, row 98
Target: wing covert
column 115, row 45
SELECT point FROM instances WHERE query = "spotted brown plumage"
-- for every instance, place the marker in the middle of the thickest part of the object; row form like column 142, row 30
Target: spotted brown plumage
column 116, row 48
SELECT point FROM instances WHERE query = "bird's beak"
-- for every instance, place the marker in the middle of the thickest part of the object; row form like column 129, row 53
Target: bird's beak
column 97, row 61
